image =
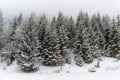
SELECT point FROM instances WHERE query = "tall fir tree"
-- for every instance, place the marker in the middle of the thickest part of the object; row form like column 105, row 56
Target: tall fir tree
column 41, row 28
column 114, row 47
column 61, row 32
column 71, row 32
column 51, row 50
column 106, row 33
column 11, row 42
column 27, row 46
column 82, row 49
column 97, row 36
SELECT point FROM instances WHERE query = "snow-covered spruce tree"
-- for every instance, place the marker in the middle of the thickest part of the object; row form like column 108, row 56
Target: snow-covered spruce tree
column 97, row 38
column 41, row 28
column 51, row 50
column 82, row 49
column 11, row 39
column 61, row 30
column 106, row 33
column 71, row 33
column 114, row 47
column 78, row 43
column 62, row 34
column 3, row 41
column 27, row 45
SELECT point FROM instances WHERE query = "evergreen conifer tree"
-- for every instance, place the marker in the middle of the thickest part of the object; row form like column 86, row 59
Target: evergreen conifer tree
column 27, row 46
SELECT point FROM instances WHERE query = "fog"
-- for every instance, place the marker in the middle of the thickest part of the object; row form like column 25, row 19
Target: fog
column 52, row 7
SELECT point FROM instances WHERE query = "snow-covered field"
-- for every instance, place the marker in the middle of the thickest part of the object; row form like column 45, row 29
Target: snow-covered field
column 109, row 70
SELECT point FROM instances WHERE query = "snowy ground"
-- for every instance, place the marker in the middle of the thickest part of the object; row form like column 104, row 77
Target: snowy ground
column 109, row 70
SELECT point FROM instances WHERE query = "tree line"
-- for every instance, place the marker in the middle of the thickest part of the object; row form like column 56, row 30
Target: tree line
column 36, row 40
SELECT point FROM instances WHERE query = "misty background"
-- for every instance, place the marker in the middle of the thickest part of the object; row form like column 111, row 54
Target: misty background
column 10, row 8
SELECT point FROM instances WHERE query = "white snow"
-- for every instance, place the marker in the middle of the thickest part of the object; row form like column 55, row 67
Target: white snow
column 109, row 70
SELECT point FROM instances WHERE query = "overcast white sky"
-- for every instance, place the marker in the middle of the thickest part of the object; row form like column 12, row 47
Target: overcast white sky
column 52, row 7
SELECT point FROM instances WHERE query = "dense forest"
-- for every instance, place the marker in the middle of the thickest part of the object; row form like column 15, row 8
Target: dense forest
column 35, row 40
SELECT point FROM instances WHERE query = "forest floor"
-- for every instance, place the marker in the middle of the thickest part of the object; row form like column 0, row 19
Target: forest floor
column 109, row 70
